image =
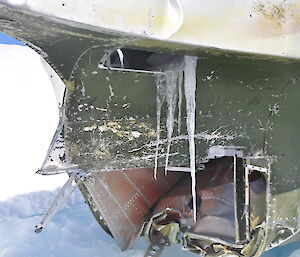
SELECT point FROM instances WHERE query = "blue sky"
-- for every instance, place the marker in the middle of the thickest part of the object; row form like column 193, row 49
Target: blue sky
column 5, row 39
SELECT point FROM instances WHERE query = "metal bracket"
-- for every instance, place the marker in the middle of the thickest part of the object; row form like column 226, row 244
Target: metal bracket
column 61, row 198
column 156, row 240
column 257, row 168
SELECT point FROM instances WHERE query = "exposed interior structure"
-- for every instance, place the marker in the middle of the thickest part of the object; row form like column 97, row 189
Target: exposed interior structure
column 136, row 60
column 162, row 209
column 198, row 121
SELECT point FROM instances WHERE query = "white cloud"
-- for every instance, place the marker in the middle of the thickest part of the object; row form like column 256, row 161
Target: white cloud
column 29, row 117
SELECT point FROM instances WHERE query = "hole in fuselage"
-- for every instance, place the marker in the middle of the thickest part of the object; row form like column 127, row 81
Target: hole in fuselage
column 130, row 59
column 215, row 200
column 223, row 209
column 257, row 182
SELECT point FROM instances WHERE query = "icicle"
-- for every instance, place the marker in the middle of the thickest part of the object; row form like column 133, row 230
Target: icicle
column 160, row 98
column 167, row 89
column 171, row 98
column 190, row 96
column 180, row 78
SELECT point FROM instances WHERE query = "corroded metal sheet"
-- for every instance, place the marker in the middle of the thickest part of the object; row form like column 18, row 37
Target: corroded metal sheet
column 125, row 199
column 246, row 107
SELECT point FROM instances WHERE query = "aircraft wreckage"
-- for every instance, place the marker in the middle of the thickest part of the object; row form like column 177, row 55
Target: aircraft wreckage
column 179, row 120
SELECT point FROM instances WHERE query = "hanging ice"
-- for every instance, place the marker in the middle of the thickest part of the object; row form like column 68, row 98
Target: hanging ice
column 180, row 78
column 160, row 98
column 169, row 90
column 190, row 96
column 171, row 98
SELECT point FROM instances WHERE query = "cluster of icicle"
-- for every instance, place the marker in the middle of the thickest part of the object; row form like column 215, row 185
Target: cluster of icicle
column 169, row 91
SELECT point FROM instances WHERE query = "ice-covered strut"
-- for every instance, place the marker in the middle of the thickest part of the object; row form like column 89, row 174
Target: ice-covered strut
column 169, row 90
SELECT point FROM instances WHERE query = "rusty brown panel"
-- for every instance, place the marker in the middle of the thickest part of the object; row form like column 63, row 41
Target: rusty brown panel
column 128, row 198
column 215, row 200
column 125, row 198
column 217, row 172
column 209, row 182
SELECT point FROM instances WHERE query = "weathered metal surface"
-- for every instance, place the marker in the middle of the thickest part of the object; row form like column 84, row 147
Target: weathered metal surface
column 125, row 199
column 264, row 27
column 246, row 105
